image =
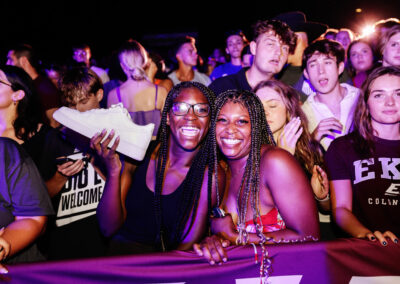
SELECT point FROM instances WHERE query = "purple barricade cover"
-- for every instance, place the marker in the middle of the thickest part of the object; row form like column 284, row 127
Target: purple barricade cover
column 336, row 261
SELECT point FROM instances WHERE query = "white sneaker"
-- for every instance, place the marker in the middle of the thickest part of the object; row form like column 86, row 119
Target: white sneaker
column 134, row 139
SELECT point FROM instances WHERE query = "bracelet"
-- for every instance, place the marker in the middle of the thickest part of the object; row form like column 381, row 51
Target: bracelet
column 327, row 197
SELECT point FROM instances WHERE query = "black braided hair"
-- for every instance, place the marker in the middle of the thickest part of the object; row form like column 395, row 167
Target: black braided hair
column 192, row 184
column 260, row 134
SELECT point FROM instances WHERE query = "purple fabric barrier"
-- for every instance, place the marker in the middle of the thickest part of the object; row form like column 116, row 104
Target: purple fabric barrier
column 321, row 262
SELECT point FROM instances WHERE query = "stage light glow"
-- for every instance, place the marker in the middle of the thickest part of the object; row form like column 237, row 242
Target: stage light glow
column 358, row 10
column 367, row 30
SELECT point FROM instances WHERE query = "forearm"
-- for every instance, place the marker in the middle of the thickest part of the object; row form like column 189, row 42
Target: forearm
column 349, row 223
column 55, row 184
column 110, row 211
column 22, row 232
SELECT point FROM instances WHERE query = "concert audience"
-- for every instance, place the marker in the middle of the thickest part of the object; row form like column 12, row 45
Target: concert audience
column 268, row 147
column 272, row 43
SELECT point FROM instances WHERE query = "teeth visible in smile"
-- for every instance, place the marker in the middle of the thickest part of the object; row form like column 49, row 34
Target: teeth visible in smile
column 231, row 141
column 189, row 131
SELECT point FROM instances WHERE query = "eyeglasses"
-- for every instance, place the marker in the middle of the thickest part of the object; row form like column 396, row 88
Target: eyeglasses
column 200, row 110
column 5, row 83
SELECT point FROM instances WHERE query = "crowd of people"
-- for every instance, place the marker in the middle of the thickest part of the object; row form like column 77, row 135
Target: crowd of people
column 291, row 136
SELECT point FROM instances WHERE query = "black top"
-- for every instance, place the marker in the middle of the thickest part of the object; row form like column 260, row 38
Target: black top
column 237, row 81
column 140, row 225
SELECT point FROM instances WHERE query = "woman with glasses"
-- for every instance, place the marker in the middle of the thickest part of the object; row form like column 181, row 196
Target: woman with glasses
column 19, row 117
column 161, row 203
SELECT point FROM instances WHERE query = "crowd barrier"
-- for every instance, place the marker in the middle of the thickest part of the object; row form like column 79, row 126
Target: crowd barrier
column 341, row 261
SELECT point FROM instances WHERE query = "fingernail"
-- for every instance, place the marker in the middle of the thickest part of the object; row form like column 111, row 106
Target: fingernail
column 396, row 241
column 212, row 262
column 112, row 132
column 384, row 243
column 224, row 259
column 3, row 270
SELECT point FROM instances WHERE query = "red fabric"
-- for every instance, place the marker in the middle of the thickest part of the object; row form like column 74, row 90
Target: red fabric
column 272, row 221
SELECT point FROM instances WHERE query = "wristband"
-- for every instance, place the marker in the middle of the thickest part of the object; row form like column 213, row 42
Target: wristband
column 327, row 197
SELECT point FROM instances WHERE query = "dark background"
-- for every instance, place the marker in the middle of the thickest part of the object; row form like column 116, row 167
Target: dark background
column 53, row 26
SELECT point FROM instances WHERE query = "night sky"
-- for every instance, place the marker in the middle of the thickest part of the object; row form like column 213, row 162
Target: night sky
column 53, row 26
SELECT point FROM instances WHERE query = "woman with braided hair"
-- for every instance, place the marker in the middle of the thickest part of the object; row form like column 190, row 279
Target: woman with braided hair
column 163, row 202
column 268, row 198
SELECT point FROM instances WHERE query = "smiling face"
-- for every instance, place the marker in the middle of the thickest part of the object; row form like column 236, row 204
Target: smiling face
column 361, row 56
column 323, row 72
column 270, row 53
column 391, row 51
column 275, row 109
column 233, row 130
column 187, row 131
column 384, row 101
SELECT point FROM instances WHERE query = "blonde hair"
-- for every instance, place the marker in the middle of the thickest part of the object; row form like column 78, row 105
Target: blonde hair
column 133, row 59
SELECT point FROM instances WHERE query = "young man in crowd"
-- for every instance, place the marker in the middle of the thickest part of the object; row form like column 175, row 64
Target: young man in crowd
column 330, row 109
column 74, row 181
column 273, row 41
column 235, row 42
column 25, row 57
column 186, row 55
column 81, row 53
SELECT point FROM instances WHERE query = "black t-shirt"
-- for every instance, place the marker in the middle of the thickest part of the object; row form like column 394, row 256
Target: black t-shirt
column 375, row 180
column 237, row 81
column 73, row 232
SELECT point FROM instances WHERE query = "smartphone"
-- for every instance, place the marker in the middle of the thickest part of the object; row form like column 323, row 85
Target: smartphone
column 62, row 160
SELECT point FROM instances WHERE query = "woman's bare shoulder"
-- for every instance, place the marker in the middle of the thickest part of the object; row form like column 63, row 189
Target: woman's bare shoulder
column 275, row 157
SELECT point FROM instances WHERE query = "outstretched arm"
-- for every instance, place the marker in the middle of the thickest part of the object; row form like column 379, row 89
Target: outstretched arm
column 342, row 200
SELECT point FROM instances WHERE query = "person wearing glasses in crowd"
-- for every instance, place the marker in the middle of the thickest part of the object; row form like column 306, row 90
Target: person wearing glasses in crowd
column 161, row 203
